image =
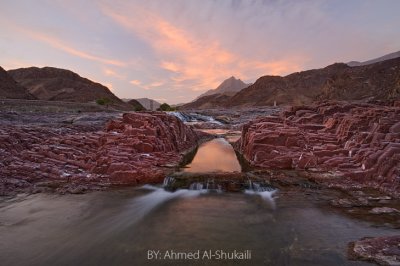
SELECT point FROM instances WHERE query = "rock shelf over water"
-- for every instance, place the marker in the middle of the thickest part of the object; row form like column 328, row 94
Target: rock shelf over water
column 361, row 142
column 137, row 148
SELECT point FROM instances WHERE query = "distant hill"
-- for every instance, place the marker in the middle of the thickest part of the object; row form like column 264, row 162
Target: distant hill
column 208, row 102
column 376, row 60
column 10, row 89
column 147, row 103
column 55, row 84
column 137, row 106
column 229, row 87
column 378, row 81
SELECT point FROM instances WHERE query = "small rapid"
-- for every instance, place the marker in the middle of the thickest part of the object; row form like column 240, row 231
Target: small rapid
column 195, row 118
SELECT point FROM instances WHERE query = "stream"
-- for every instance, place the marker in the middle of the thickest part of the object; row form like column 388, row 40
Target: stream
column 128, row 226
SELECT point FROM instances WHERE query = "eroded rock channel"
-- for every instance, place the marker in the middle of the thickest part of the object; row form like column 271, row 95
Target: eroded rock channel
column 295, row 188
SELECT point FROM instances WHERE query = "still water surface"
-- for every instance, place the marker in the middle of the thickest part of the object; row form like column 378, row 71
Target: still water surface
column 119, row 227
column 216, row 155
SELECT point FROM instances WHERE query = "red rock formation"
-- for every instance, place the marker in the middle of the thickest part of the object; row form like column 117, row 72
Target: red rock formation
column 360, row 141
column 139, row 148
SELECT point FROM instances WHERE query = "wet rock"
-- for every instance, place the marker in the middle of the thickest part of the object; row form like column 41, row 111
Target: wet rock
column 345, row 203
column 382, row 210
column 381, row 250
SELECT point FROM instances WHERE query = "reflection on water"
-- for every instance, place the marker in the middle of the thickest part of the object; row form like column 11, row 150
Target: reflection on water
column 216, row 155
column 230, row 135
column 119, row 227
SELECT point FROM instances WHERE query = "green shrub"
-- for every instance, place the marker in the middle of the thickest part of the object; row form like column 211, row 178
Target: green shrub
column 166, row 107
column 103, row 101
column 138, row 108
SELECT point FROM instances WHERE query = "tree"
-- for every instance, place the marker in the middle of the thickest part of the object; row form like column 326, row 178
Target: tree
column 138, row 108
column 166, row 107
column 103, row 101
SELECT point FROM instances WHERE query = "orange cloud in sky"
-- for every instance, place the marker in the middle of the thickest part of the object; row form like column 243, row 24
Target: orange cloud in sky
column 135, row 82
column 112, row 73
column 109, row 86
column 197, row 63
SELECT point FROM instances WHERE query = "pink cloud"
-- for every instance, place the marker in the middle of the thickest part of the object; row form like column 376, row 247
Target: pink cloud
column 198, row 63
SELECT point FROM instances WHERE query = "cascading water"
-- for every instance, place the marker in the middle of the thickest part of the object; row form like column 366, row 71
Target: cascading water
column 196, row 186
column 168, row 181
column 266, row 192
column 194, row 117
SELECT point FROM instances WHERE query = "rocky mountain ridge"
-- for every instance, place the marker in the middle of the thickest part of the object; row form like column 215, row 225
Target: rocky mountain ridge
column 10, row 89
column 375, row 60
column 55, row 84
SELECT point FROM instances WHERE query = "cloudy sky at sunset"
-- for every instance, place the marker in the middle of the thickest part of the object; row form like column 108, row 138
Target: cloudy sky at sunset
column 173, row 50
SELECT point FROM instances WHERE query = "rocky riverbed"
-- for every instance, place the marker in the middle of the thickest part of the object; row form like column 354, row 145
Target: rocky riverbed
column 78, row 152
column 344, row 155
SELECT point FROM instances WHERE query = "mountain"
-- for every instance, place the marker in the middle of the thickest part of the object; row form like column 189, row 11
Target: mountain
column 55, row 84
column 378, row 81
column 376, row 60
column 136, row 105
column 10, row 89
column 148, row 103
column 217, row 97
column 229, row 86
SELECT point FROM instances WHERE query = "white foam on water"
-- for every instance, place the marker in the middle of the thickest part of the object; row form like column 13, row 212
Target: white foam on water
column 266, row 193
column 194, row 117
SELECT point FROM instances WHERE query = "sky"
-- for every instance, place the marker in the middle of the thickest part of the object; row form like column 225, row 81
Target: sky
column 174, row 50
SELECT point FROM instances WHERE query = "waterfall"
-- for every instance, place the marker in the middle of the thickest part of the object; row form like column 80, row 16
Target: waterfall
column 168, row 181
column 196, row 186
column 266, row 192
column 194, row 117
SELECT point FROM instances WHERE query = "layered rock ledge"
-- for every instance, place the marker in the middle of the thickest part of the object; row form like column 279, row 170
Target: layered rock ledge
column 136, row 148
column 357, row 144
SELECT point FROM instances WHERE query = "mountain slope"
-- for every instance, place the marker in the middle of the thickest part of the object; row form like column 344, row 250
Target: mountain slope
column 378, row 81
column 54, row 84
column 10, row 89
column 207, row 102
column 148, row 103
column 137, row 106
column 376, row 60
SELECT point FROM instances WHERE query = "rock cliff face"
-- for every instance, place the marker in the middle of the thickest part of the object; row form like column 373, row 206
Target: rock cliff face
column 378, row 81
column 359, row 141
column 54, row 84
column 138, row 148
column 10, row 89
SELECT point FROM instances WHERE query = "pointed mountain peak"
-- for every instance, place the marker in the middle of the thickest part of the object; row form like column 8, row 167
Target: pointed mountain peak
column 229, row 86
